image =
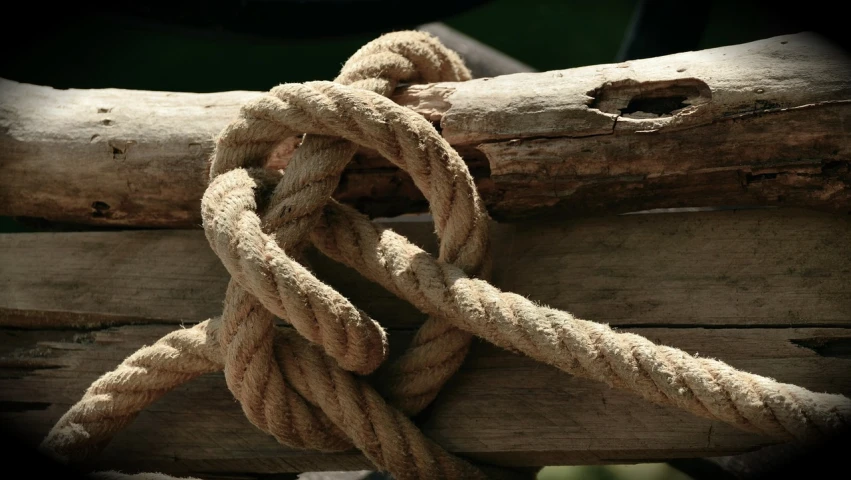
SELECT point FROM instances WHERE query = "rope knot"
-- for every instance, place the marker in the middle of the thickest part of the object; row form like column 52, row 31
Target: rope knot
column 297, row 385
column 337, row 118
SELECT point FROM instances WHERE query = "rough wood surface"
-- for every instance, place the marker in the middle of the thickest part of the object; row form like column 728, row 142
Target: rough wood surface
column 500, row 408
column 759, row 123
column 728, row 268
column 764, row 290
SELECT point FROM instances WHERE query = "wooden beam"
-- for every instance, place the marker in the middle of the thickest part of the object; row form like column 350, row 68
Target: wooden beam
column 500, row 408
column 759, row 123
column 778, row 268
column 764, row 290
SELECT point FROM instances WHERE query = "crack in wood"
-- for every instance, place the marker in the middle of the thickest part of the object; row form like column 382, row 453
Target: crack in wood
column 828, row 347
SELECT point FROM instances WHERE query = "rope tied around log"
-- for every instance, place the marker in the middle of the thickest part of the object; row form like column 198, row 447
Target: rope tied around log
column 301, row 385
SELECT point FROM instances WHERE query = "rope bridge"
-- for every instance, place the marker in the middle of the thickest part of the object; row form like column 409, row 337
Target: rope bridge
column 303, row 385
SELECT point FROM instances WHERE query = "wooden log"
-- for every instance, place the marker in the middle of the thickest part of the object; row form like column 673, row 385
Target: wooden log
column 759, row 123
column 764, row 290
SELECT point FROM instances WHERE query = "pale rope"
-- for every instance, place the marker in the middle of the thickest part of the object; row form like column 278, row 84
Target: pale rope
column 380, row 432
column 661, row 374
column 665, row 375
column 117, row 397
column 386, row 436
column 255, row 258
column 114, row 400
column 438, row 349
column 594, row 347
column 429, row 460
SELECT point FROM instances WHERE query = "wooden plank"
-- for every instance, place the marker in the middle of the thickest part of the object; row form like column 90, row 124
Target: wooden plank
column 759, row 123
column 500, row 408
column 726, row 268
column 764, row 290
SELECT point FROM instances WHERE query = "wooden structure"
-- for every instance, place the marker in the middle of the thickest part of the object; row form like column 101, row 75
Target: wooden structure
column 556, row 156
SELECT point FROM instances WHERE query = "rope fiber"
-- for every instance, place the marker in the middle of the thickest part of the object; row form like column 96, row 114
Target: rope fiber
column 303, row 385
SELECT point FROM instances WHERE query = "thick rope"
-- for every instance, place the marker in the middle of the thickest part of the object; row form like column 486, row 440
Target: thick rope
column 254, row 258
column 314, row 172
column 316, row 309
column 385, row 435
column 664, row 375
column 115, row 399
column 290, row 388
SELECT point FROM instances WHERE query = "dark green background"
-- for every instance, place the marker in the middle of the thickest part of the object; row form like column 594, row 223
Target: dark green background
column 95, row 51
column 64, row 49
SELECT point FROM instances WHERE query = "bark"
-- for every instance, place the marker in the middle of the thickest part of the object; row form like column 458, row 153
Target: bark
column 756, row 124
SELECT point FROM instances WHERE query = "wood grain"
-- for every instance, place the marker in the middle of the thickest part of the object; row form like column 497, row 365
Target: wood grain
column 756, row 124
column 780, row 267
column 500, row 408
column 764, row 290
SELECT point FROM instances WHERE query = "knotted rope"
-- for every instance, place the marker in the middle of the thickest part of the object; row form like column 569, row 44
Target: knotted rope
column 297, row 385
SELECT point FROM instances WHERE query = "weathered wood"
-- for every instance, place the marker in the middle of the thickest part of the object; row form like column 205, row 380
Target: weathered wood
column 728, row 268
column 500, row 408
column 771, row 285
column 759, row 123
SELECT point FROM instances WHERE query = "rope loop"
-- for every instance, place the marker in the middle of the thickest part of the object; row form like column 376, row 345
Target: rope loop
column 302, row 385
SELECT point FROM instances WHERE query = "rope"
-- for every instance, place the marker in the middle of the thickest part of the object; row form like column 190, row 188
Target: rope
column 664, row 375
column 300, row 385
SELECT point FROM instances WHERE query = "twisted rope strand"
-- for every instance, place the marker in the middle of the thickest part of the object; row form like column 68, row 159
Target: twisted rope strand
column 247, row 352
column 117, row 397
column 298, row 387
column 664, row 375
column 314, row 172
column 259, row 262
column 114, row 400
column 316, row 310
column 406, row 139
column 385, row 435
column 381, row 432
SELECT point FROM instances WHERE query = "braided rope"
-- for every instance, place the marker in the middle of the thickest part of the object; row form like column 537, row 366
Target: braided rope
column 297, row 385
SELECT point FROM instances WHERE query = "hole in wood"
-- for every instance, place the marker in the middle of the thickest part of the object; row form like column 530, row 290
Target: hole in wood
column 100, row 209
column 658, row 106
column 634, row 99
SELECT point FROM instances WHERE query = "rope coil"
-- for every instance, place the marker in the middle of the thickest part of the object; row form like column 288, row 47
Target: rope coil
column 301, row 386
